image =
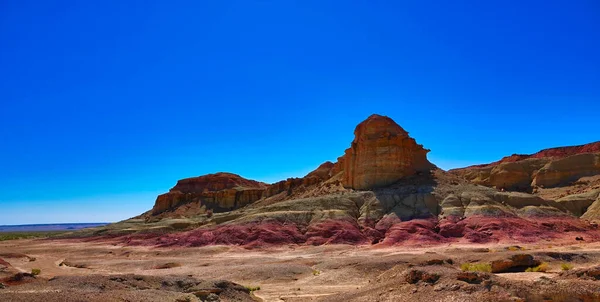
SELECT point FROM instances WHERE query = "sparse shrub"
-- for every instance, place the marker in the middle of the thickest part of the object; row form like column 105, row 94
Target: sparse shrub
column 566, row 266
column 36, row 271
column 476, row 267
column 316, row 272
column 253, row 288
column 543, row 267
column 515, row 248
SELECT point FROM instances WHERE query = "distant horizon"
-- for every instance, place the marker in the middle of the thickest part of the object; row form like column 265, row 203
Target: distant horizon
column 49, row 227
column 107, row 104
column 56, row 223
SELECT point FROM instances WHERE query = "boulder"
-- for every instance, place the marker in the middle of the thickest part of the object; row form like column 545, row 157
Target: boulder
column 516, row 263
column 414, row 276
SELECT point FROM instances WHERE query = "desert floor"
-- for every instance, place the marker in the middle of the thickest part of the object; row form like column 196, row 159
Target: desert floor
column 284, row 273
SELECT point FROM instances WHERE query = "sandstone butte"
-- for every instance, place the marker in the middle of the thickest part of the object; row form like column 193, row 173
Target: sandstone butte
column 384, row 191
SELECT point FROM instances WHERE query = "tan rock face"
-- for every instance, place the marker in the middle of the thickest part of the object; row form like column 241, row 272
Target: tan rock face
column 381, row 154
column 547, row 168
column 568, row 169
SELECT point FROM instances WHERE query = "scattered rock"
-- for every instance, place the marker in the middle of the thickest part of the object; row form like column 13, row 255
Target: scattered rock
column 206, row 293
column 414, row 276
column 472, row 277
column 72, row 264
column 591, row 273
column 435, row 262
column 212, row 298
column 167, row 265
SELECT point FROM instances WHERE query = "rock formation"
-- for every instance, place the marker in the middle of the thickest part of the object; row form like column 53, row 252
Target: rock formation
column 547, row 168
column 383, row 190
column 382, row 153
column 218, row 192
column 568, row 169
column 221, row 192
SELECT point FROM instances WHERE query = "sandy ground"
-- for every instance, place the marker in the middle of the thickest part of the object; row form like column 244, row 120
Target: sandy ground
column 288, row 273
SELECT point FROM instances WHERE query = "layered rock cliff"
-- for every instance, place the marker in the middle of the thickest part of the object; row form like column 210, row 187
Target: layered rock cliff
column 218, row 192
column 547, row 168
column 380, row 154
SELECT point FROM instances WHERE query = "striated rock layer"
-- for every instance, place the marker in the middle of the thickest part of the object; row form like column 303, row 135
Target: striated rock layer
column 218, row 192
column 381, row 154
column 547, row 168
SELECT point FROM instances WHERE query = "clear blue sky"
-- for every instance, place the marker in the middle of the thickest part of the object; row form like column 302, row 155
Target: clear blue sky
column 105, row 104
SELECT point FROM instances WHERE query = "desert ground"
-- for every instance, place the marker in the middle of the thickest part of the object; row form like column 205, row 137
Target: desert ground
column 76, row 270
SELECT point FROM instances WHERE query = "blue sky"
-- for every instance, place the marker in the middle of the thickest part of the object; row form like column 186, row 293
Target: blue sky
column 105, row 104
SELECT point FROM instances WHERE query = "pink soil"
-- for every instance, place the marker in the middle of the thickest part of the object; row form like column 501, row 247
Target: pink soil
column 474, row 229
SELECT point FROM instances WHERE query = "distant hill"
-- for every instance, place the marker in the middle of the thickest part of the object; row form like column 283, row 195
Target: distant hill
column 49, row 227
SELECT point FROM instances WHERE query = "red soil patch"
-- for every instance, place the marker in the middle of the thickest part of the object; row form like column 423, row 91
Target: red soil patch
column 474, row 229
column 414, row 232
column 480, row 229
column 336, row 232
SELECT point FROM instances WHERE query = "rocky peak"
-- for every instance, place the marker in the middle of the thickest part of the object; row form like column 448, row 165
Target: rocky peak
column 380, row 154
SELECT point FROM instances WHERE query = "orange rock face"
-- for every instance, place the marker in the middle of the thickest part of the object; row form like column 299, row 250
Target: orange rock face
column 218, row 192
column 215, row 182
column 221, row 192
column 381, row 154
